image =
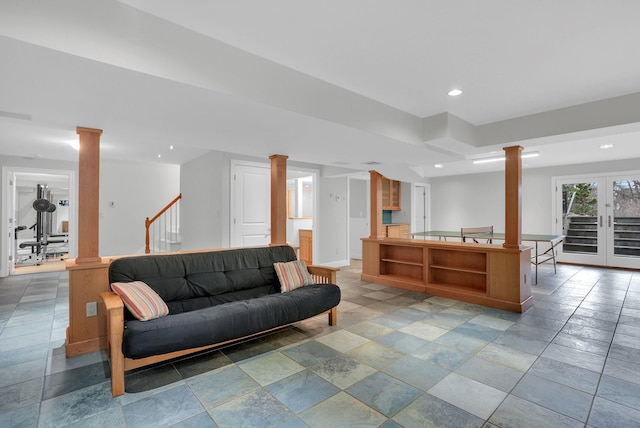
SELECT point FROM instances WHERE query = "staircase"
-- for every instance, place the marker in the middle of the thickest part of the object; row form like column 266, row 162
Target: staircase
column 581, row 235
column 162, row 231
column 626, row 236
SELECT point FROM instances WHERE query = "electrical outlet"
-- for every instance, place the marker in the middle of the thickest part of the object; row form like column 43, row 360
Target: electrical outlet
column 92, row 309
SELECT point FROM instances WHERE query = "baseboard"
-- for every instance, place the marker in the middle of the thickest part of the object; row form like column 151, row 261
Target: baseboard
column 74, row 349
column 335, row 264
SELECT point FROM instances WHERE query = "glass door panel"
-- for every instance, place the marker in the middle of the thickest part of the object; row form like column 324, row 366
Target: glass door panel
column 623, row 222
column 581, row 223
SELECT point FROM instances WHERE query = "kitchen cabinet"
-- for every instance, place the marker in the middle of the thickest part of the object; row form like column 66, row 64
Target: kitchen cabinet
column 390, row 194
column 398, row 231
column 306, row 245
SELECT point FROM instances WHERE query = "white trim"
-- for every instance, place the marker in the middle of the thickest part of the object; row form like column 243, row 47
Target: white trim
column 336, row 264
column 7, row 170
column 595, row 175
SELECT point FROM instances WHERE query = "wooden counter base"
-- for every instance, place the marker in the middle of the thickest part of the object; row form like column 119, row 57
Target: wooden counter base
column 483, row 274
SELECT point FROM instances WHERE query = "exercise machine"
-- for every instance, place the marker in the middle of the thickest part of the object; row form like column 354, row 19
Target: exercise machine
column 40, row 250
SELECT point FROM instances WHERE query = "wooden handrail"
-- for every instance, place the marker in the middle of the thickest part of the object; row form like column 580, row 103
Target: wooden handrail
column 147, row 222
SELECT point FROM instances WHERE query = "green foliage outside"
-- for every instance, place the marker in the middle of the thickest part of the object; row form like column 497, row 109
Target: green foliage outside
column 585, row 200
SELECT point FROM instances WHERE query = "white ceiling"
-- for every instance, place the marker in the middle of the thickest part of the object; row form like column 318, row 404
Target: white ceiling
column 340, row 83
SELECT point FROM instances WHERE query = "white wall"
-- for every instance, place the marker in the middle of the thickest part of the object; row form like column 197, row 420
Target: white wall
column 293, row 229
column 331, row 227
column 137, row 191
column 25, row 214
column 404, row 214
column 205, row 186
column 358, row 216
column 478, row 199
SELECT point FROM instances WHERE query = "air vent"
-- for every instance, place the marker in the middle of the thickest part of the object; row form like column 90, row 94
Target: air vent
column 371, row 163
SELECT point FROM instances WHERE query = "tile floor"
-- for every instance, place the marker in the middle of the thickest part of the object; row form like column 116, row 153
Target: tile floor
column 396, row 358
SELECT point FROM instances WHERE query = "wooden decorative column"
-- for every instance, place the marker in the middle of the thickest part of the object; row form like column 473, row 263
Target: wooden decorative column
column 513, row 198
column 88, row 273
column 278, row 199
column 88, row 195
column 375, row 184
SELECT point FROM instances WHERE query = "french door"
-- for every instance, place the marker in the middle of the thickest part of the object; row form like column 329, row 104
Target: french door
column 600, row 218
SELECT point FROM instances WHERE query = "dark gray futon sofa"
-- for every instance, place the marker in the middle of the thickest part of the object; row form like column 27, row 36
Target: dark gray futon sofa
column 214, row 298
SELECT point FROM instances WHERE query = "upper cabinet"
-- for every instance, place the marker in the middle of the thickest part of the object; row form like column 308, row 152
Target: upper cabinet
column 390, row 194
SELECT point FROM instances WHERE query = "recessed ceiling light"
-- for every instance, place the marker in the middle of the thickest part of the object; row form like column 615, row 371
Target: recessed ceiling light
column 455, row 92
column 606, row 146
column 529, row 155
column 439, row 165
column 171, row 147
column 501, row 158
column 159, row 155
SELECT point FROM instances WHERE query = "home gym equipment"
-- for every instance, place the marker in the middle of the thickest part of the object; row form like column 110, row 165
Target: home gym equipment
column 44, row 208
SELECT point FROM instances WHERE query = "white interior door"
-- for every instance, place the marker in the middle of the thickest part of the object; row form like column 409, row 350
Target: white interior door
column 420, row 208
column 251, row 203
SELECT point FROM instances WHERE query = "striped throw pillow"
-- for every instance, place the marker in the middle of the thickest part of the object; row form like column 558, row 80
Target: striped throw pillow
column 141, row 300
column 292, row 275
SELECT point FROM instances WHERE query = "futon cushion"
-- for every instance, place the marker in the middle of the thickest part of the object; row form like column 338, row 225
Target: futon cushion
column 227, row 321
column 141, row 300
column 292, row 275
column 180, row 277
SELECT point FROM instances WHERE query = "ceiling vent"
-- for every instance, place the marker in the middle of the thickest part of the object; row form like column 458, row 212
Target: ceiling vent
column 371, row 163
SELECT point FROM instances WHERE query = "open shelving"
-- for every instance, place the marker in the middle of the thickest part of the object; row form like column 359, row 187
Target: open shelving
column 461, row 269
column 402, row 262
column 483, row 274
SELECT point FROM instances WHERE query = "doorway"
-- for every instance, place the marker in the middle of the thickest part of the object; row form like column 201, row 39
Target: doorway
column 359, row 213
column 250, row 205
column 38, row 218
column 600, row 218
column 421, row 207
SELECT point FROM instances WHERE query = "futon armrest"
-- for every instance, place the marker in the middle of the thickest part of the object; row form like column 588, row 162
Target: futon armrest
column 115, row 329
column 111, row 300
column 323, row 274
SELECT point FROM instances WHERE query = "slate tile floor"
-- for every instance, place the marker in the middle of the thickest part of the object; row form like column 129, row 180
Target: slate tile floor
column 396, row 358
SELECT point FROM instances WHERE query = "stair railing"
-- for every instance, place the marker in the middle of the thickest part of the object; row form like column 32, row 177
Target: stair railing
column 162, row 228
